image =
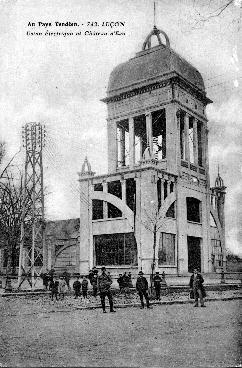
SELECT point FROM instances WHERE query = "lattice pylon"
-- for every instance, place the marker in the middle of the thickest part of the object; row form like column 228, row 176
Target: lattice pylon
column 32, row 258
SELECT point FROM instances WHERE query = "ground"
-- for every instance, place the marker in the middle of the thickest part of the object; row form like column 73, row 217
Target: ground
column 36, row 332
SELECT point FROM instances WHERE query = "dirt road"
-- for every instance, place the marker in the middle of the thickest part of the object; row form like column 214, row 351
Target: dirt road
column 165, row 336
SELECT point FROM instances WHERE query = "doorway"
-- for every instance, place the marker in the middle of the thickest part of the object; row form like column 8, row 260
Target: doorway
column 194, row 253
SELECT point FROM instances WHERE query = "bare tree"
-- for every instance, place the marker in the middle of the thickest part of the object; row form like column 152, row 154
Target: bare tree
column 11, row 211
column 2, row 156
column 153, row 222
column 204, row 11
column 2, row 150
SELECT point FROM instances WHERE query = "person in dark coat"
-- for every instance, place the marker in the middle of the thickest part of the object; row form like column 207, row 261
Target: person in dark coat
column 125, row 283
column 104, row 284
column 197, row 288
column 90, row 276
column 84, row 287
column 51, row 274
column 157, row 284
column 77, row 287
column 54, row 285
column 45, row 279
column 142, row 288
column 120, row 282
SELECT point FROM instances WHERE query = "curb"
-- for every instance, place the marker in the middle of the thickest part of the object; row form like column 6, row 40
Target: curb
column 170, row 288
column 134, row 305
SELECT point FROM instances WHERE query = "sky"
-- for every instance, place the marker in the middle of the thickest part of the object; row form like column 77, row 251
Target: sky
column 59, row 81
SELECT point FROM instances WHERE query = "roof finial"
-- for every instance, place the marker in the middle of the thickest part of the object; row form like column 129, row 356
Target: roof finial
column 218, row 170
column 154, row 15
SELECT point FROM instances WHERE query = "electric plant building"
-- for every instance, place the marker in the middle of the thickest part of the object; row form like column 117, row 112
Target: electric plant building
column 155, row 205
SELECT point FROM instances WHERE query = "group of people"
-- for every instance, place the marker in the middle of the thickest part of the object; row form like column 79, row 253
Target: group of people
column 102, row 284
column 49, row 279
column 125, row 282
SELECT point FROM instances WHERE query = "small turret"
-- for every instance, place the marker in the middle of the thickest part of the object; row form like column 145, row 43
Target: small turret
column 219, row 191
column 219, row 183
column 86, row 169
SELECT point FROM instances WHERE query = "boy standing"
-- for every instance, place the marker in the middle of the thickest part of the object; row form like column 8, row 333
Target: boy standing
column 54, row 286
column 84, row 287
column 62, row 287
column 157, row 285
column 77, row 287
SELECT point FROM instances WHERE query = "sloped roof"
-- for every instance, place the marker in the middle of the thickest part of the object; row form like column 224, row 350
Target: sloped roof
column 63, row 229
column 151, row 65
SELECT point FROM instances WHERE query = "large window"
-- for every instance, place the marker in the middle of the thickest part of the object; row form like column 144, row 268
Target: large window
column 115, row 249
column 166, row 251
column 193, row 210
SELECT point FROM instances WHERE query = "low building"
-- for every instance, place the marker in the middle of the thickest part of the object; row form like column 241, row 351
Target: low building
column 62, row 247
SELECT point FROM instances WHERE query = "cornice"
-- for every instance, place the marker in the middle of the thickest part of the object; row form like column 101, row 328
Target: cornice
column 171, row 80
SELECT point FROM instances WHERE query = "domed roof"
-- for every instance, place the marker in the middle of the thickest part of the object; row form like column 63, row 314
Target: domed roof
column 150, row 65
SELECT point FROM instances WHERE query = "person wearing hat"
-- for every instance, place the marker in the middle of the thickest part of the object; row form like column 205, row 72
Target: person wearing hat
column 196, row 288
column 142, row 288
column 157, row 284
column 104, row 284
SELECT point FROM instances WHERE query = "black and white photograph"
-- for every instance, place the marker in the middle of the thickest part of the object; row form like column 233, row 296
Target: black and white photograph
column 120, row 183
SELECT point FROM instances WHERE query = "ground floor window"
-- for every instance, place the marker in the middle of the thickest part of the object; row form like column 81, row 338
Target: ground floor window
column 166, row 251
column 115, row 249
column 217, row 253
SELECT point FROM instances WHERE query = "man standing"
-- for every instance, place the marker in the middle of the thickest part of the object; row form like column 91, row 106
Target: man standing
column 84, row 287
column 67, row 277
column 45, row 279
column 54, row 287
column 77, row 287
column 120, row 282
column 62, row 287
column 104, row 284
column 157, row 285
column 196, row 286
column 94, row 284
column 142, row 288
column 125, row 282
